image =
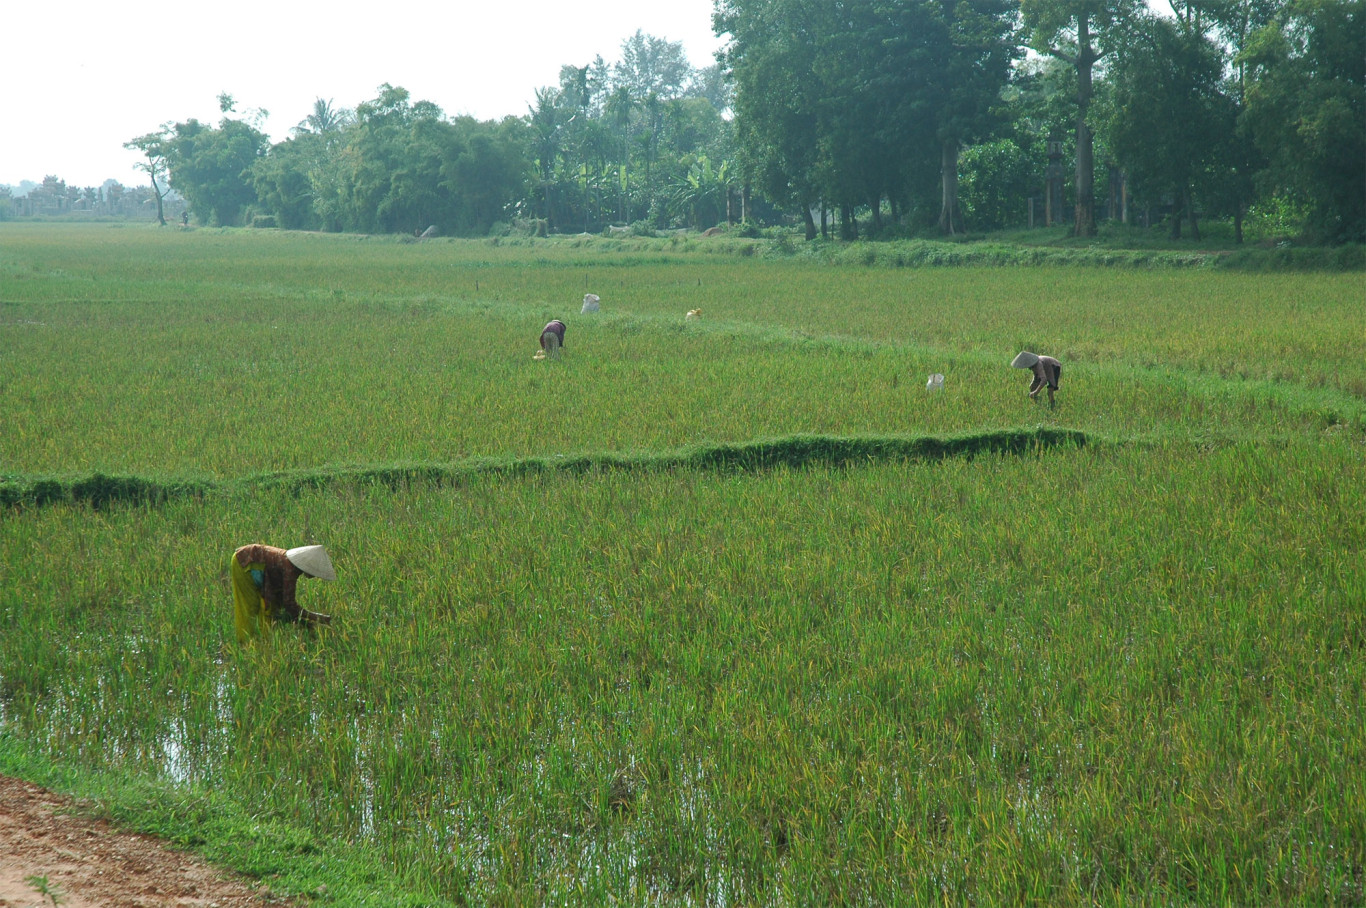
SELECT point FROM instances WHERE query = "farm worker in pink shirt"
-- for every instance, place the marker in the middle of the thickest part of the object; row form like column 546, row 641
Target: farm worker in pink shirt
column 552, row 337
column 263, row 585
column 1046, row 369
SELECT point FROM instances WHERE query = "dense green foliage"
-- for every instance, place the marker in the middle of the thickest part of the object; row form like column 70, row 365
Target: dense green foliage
column 731, row 610
column 1171, row 118
column 1306, row 106
column 842, row 105
column 870, row 109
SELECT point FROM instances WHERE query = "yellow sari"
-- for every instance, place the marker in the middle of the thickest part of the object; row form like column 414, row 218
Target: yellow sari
column 252, row 615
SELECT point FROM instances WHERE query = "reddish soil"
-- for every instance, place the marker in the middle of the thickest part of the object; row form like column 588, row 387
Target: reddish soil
column 89, row 864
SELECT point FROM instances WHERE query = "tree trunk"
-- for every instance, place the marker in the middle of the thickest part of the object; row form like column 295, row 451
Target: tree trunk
column 161, row 211
column 848, row 223
column 809, row 220
column 950, row 221
column 1084, row 224
column 1190, row 213
column 549, row 207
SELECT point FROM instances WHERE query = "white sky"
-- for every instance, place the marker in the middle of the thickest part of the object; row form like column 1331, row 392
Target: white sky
column 78, row 78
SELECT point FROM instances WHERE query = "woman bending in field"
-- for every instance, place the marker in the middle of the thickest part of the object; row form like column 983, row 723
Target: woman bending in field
column 263, row 583
column 552, row 337
column 1046, row 369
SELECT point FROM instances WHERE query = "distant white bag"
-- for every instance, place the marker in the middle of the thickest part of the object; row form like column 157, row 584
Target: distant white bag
column 590, row 303
column 936, row 383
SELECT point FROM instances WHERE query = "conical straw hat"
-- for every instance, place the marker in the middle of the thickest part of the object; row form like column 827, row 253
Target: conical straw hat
column 313, row 561
column 1025, row 360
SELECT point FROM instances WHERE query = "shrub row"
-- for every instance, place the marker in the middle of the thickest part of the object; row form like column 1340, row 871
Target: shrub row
column 98, row 490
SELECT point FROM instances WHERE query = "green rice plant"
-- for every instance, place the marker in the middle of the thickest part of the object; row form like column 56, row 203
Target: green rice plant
column 729, row 611
column 166, row 392
column 884, row 683
column 382, row 351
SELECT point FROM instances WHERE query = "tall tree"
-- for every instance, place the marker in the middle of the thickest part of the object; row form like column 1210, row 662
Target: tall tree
column 1306, row 108
column 284, row 181
column 1172, row 121
column 1080, row 33
column 299, row 181
column 393, row 158
column 866, row 85
column 545, row 120
column 325, row 120
column 651, row 65
column 864, row 95
column 620, row 139
column 773, row 56
column 483, row 170
column 212, row 168
column 979, row 47
column 153, row 148
column 710, row 82
column 619, row 110
column 1236, row 22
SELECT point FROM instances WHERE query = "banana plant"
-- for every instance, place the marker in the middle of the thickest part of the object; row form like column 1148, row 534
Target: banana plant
column 702, row 192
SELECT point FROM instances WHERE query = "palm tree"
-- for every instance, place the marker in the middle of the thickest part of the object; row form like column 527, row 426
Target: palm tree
column 545, row 127
column 324, row 119
column 619, row 108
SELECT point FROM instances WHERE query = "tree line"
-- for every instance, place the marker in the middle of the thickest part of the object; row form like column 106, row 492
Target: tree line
column 856, row 117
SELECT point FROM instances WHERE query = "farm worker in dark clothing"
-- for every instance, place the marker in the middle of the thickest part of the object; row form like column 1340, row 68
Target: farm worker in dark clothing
column 1046, row 369
column 552, row 337
column 263, row 582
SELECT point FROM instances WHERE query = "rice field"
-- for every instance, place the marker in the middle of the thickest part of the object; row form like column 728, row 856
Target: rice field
column 1120, row 662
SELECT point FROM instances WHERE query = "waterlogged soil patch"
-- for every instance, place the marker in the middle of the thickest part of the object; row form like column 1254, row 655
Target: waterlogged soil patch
column 89, row 864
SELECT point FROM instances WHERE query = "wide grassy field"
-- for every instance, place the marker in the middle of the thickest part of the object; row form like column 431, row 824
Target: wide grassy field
column 721, row 612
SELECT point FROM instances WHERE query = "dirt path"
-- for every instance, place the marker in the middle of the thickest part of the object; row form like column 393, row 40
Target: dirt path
column 91, row 865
